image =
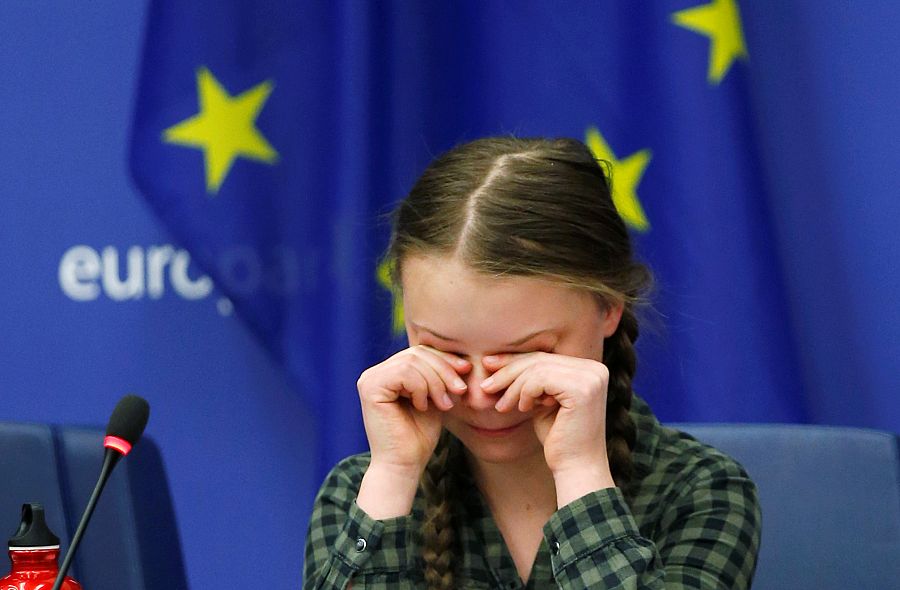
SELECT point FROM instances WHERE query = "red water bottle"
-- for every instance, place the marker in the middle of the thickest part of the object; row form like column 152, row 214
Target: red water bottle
column 34, row 552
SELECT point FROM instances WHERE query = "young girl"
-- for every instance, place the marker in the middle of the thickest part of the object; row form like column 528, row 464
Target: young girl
column 507, row 447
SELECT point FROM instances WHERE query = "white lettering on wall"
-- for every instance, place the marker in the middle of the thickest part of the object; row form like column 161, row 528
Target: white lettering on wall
column 85, row 274
column 132, row 286
column 184, row 285
column 157, row 259
column 138, row 272
column 79, row 270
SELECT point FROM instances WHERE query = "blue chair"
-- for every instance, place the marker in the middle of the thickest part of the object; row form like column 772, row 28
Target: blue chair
column 830, row 502
column 132, row 542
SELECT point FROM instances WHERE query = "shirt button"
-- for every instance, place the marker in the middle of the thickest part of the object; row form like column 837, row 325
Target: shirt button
column 360, row 544
column 555, row 547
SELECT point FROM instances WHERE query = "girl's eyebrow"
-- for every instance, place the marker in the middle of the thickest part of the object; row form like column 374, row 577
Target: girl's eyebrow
column 518, row 342
column 525, row 339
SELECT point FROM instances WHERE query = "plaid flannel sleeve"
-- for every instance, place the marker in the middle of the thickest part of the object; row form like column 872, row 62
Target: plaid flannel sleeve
column 343, row 543
column 710, row 531
column 595, row 543
column 708, row 538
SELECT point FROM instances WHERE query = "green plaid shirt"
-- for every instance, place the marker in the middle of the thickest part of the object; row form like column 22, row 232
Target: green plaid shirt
column 692, row 521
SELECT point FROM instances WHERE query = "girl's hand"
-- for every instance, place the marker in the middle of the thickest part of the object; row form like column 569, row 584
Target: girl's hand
column 567, row 398
column 401, row 400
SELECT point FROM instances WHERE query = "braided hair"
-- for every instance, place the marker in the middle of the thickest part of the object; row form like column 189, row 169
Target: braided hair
column 438, row 533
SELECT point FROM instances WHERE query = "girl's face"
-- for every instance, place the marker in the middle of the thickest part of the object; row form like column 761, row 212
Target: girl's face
column 451, row 308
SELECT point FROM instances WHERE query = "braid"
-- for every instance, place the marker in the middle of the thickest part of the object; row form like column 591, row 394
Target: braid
column 620, row 359
column 438, row 533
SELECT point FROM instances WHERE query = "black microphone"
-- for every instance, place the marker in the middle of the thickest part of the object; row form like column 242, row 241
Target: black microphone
column 123, row 431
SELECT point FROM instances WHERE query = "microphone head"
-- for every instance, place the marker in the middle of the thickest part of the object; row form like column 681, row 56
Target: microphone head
column 127, row 423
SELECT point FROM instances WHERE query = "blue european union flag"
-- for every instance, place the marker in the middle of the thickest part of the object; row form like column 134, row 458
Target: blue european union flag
column 271, row 137
column 243, row 151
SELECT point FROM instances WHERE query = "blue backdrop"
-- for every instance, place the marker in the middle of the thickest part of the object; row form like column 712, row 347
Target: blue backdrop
column 194, row 199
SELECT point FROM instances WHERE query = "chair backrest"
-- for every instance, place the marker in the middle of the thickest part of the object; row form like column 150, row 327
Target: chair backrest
column 132, row 542
column 830, row 498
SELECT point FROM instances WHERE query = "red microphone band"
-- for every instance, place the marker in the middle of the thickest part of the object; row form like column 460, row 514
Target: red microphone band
column 119, row 444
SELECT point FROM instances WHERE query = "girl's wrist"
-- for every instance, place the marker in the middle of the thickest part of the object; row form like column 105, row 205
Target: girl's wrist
column 577, row 481
column 388, row 491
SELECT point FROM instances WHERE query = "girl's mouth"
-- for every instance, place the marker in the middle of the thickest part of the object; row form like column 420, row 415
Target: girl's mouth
column 495, row 432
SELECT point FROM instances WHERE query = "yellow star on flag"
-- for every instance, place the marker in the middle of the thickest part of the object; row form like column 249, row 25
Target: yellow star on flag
column 719, row 20
column 627, row 175
column 225, row 128
column 383, row 274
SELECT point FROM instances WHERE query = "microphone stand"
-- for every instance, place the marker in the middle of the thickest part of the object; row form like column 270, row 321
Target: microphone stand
column 110, row 458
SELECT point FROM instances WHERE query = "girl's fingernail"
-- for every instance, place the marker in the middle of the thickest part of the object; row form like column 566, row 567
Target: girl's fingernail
column 487, row 382
column 490, row 359
column 499, row 406
column 459, row 384
column 448, row 401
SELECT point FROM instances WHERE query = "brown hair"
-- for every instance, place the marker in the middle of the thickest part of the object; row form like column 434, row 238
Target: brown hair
column 523, row 207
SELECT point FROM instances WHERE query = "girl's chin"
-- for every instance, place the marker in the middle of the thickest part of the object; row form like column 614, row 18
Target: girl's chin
column 496, row 457
column 498, row 445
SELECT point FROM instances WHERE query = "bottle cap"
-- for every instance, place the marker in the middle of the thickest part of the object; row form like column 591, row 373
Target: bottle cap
column 33, row 531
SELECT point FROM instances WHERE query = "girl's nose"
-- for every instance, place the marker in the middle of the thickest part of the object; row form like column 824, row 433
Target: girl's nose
column 474, row 397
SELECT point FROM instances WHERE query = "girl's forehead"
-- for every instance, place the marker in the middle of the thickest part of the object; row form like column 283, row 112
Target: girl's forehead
column 447, row 299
